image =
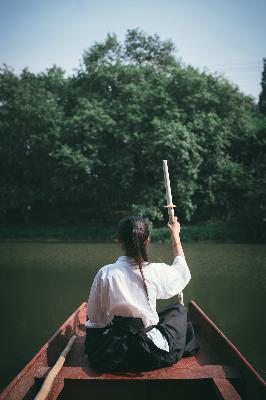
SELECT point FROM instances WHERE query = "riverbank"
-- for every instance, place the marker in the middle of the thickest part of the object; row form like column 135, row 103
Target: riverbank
column 219, row 233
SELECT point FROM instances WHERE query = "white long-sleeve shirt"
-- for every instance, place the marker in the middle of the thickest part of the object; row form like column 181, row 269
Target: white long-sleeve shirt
column 118, row 289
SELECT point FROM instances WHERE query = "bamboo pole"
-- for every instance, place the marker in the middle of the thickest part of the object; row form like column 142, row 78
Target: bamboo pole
column 48, row 382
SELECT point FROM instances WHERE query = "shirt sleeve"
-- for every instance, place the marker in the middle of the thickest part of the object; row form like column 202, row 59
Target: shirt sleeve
column 172, row 279
column 95, row 311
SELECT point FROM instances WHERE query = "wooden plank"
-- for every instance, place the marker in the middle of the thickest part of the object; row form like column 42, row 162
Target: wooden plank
column 226, row 389
column 201, row 372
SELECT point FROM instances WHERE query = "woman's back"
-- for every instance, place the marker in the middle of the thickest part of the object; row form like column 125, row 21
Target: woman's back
column 124, row 329
column 118, row 290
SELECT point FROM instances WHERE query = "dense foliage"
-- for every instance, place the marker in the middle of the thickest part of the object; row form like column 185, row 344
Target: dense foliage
column 89, row 147
column 262, row 98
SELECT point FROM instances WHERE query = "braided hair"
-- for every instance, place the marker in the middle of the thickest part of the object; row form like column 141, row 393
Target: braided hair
column 133, row 232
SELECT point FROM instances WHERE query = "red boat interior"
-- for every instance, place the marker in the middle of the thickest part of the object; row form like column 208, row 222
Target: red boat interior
column 205, row 373
column 218, row 371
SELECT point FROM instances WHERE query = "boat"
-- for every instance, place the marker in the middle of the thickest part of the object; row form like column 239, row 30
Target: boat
column 217, row 371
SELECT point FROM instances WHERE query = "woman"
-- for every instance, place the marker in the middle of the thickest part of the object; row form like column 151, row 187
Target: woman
column 124, row 330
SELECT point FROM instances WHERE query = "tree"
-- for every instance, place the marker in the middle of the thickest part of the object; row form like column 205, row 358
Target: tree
column 91, row 145
column 262, row 97
column 133, row 81
column 29, row 130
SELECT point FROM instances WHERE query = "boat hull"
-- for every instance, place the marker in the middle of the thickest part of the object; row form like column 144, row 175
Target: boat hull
column 218, row 371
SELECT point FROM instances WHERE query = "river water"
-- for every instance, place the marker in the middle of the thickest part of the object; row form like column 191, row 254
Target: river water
column 42, row 283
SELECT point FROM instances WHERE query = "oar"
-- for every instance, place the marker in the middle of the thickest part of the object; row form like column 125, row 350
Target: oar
column 49, row 380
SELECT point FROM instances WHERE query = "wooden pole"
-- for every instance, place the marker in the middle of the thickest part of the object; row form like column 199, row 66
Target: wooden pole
column 48, row 382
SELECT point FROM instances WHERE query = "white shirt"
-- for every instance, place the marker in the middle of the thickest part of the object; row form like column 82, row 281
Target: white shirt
column 118, row 289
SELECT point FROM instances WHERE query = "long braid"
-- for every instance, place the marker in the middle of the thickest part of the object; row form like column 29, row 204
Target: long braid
column 138, row 257
column 133, row 231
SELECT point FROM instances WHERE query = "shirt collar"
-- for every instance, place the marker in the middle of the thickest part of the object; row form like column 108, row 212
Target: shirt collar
column 128, row 260
column 125, row 259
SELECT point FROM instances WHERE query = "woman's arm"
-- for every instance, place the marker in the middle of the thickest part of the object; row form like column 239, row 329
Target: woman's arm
column 174, row 228
column 171, row 280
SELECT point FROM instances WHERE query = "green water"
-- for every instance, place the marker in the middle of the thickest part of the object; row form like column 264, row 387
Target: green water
column 42, row 283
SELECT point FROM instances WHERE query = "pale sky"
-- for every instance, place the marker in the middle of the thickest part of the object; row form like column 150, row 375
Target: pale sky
column 222, row 35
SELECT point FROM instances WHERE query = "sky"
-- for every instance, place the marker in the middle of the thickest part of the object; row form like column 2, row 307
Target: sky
column 228, row 37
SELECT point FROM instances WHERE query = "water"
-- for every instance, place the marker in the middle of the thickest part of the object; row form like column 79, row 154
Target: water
column 42, row 283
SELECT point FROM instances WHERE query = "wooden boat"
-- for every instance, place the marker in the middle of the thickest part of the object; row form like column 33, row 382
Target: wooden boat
column 218, row 371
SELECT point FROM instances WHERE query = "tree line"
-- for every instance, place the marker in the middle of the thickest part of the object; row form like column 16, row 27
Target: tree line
column 89, row 147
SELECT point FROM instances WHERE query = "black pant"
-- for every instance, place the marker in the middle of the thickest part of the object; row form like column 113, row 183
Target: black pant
column 124, row 345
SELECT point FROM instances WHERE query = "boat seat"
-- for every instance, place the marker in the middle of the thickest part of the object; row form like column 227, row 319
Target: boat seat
column 173, row 372
column 205, row 379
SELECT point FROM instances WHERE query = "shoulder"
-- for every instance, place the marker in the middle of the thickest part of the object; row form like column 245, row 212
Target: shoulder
column 163, row 265
column 154, row 269
column 109, row 269
column 153, row 265
column 161, row 270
